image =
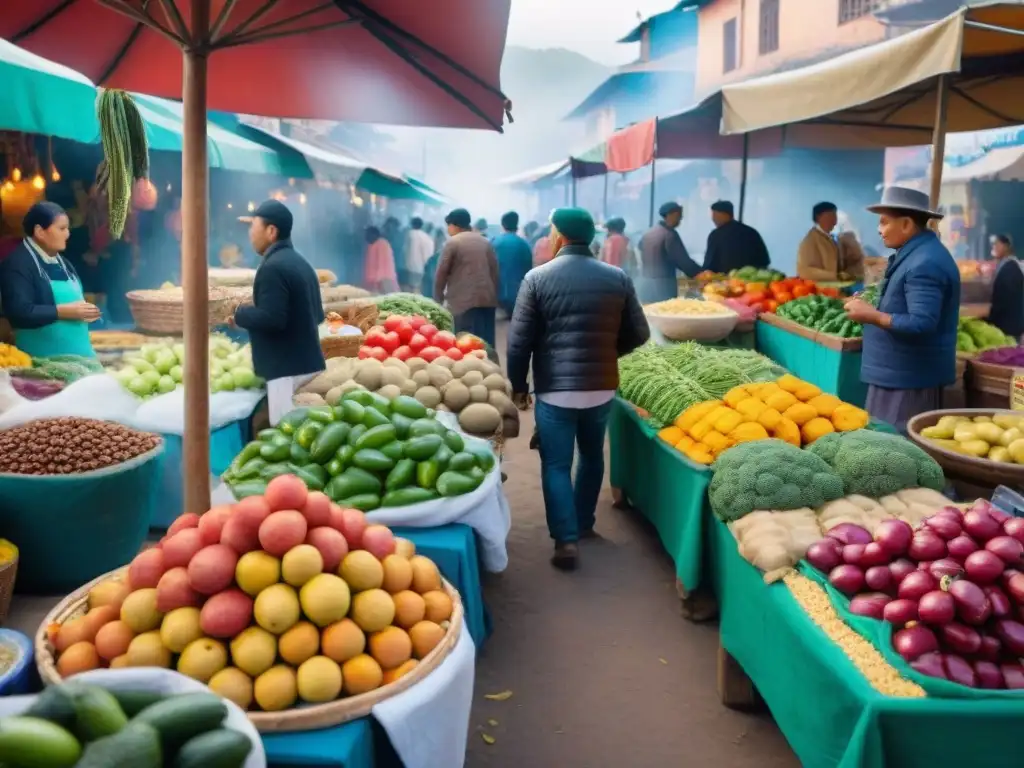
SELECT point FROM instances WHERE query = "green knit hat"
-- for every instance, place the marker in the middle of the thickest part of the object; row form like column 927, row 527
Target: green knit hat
column 575, row 224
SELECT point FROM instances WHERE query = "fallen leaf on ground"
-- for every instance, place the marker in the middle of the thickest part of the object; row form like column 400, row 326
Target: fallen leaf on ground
column 502, row 696
column 663, row 661
column 488, row 739
column 492, row 722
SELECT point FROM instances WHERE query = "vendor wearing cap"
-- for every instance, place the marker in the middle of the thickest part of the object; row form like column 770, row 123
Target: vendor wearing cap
column 662, row 253
column 733, row 244
column 574, row 317
column 283, row 320
column 910, row 338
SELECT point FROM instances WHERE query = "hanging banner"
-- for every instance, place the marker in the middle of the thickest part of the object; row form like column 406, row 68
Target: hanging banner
column 631, row 148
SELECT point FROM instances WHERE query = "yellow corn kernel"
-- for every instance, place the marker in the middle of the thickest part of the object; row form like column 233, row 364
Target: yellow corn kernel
column 815, row 428
column 695, row 413
column 780, row 401
column 800, row 413
column 787, row 430
column 728, row 421
column 848, row 417
column 736, row 395
column 825, row 405
column 769, row 418
column 790, row 383
column 671, row 435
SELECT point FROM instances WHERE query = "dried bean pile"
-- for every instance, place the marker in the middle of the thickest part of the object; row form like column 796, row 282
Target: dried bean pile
column 69, row 445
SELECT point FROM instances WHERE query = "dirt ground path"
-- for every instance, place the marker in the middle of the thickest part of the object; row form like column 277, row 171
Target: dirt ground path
column 603, row 669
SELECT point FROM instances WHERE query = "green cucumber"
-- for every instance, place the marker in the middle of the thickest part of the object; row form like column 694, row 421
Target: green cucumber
column 484, row 456
column 402, row 475
column 133, row 702
column 274, row 453
column 276, row 470
column 180, row 718
column 352, row 482
column 402, row 424
column 409, row 407
column 462, row 462
column 30, row 741
column 427, row 427
column 54, row 704
column 359, row 396
column 427, row 473
column 372, row 460
column 377, row 437
column 351, row 411
column 404, row 496
column 379, row 402
column 423, row 447
column 313, row 475
column 327, row 443
column 299, row 455
column 456, row 484
column 248, row 453
column 250, row 469
column 393, row 450
column 373, row 417
column 357, row 431
column 248, row 488
column 335, row 467
column 306, row 434
column 321, row 413
column 97, row 713
column 266, row 435
column 292, row 420
column 135, row 746
column 364, row 501
column 454, row 441
column 221, row 748
column 345, row 454
column 443, row 456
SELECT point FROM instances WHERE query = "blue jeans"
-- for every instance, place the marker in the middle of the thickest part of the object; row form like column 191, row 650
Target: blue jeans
column 569, row 506
column 478, row 321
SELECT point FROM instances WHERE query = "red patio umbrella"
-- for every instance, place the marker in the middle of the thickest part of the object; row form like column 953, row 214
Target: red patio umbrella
column 408, row 62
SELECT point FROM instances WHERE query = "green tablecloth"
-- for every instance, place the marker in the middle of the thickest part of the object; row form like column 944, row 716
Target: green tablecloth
column 667, row 488
column 833, row 371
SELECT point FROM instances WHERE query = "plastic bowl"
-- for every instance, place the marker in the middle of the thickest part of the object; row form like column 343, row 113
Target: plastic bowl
column 17, row 678
column 694, row 327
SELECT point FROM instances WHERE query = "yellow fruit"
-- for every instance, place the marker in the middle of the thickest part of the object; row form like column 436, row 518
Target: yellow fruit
column 139, row 611
column 425, row 636
column 299, row 643
column 109, row 592
column 390, row 675
column 361, row 570
column 276, row 689
column 179, row 628
column 202, row 659
column 397, row 574
column 234, row 685
column 343, row 641
column 373, row 610
column 439, row 606
column 300, row 564
column 404, row 548
column 361, row 675
column 256, row 571
column 410, row 608
column 325, row 599
column 425, row 576
column 147, row 650
column 120, row 662
column 319, row 680
column 391, row 647
column 276, row 608
column 80, row 657
column 254, row 651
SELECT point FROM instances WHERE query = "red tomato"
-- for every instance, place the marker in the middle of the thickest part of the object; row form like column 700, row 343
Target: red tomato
column 391, row 322
column 365, row 352
column 417, row 342
column 428, row 330
column 443, row 339
column 430, row 354
column 403, row 352
column 405, row 332
column 416, row 321
column 467, row 343
column 379, row 353
column 454, row 353
column 390, row 342
column 375, row 336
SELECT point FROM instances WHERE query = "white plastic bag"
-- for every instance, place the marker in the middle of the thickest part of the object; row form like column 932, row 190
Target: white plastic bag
column 166, row 413
column 160, row 681
column 93, row 397
column 9, row 399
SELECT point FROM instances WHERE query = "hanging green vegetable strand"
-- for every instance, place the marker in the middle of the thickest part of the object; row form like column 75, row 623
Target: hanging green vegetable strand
column 125, row 153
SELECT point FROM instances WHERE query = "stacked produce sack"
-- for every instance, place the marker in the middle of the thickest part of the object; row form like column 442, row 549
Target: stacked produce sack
column 279, row 598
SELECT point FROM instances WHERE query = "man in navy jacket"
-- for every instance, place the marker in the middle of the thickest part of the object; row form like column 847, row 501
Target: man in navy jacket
column 910, row 338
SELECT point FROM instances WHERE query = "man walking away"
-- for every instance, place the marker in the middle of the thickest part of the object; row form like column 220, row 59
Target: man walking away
column 283, row 320
column 662, row 253
column 574, row 317
column 514, row 260
column 733, row 244
column 467, row 277
column 419, row 247
column 616, row 250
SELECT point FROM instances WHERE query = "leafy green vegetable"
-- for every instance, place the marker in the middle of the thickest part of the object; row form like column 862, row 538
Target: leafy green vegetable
column 877, row 464
column 414, row 304
column 975, row 335
column 770, row 475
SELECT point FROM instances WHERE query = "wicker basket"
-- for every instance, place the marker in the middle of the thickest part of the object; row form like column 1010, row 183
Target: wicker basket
column 306, row 718
column 8, row 574
column 958, row 466
column 341, row 346
column 164, row 311
column 332, row 294
column 231, row 278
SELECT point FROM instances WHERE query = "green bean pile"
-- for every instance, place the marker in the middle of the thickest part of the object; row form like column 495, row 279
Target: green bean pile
column 666, row 380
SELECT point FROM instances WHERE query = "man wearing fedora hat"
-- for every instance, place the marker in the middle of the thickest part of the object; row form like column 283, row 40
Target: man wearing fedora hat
column 910, row 336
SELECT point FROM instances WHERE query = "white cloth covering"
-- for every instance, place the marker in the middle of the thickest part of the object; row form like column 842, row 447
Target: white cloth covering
column 280, row 393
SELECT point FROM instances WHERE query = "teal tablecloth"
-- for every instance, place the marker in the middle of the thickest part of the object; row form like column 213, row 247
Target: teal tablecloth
column 835, row 372
column 362, row 744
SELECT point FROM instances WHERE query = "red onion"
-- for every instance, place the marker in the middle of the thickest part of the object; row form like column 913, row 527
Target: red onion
column 848, row 579
column 926, row 545
column 875, row 554
column 945, row 567
column 1013, row 675
column 988, row 674
column 1001, row 607
column 942, row 525
column 853, row 554
column 984, row 505
column 916, row 585
column 960, row 638
column 936, row 607
column 925, row 565
column 848, row 533
column 991, row 648
column 899, row 612
column 1014, row 527
column 912, row 642
column 869, row 604
column 959, row 671
column 1007, row 548
column 930, row 664
column 997, row 514
column 879, row 578
column 825, row 554
column 981, row 526
column 951, row 513
column 894, row 536
column 1013, row 583
column 960, row 547
column 983, row 567
column 1011, row 634
column 972, row 606
column 900, row 569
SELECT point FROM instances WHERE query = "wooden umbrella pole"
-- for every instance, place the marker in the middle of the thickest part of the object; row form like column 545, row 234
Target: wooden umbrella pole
column 743, row 173
column 194, row 223
column 939, row 140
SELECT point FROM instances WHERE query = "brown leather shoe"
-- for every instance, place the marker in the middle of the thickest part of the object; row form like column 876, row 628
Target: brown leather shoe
column 566, row 556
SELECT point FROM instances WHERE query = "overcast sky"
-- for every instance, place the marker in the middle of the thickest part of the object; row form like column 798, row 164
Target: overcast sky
column 590, row 27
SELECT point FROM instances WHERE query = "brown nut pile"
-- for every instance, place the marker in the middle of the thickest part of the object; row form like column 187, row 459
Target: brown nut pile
column 70, row 445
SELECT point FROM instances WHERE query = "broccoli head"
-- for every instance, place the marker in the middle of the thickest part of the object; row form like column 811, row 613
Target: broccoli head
column 770, row 474
column 877, row 464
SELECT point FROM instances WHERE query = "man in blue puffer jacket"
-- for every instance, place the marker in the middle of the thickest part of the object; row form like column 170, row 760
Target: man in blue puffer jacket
column 910, row 338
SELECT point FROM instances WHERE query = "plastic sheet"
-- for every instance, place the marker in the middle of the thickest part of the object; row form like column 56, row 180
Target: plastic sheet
column 9, row 399
column 166, row 413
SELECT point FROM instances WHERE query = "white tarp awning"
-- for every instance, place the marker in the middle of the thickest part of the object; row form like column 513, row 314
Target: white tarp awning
column 534, row 175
